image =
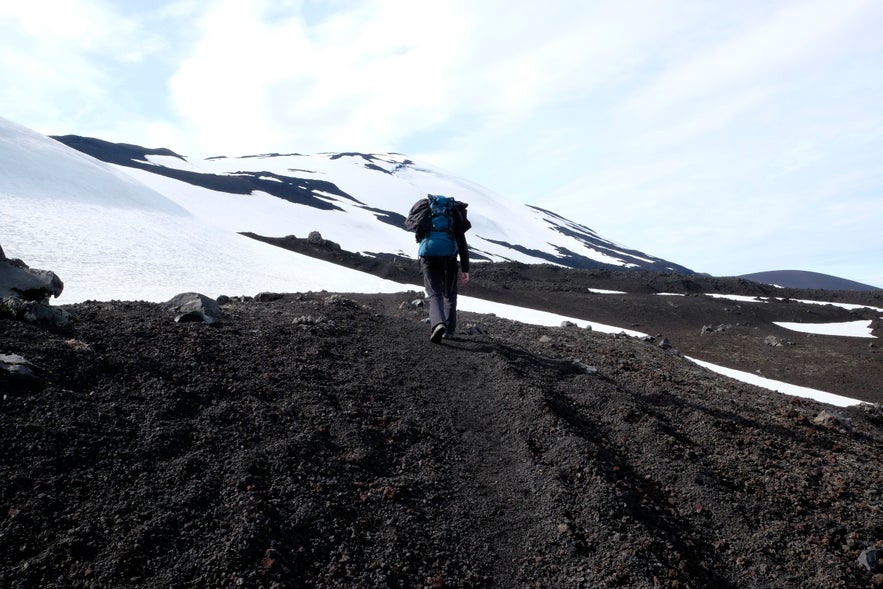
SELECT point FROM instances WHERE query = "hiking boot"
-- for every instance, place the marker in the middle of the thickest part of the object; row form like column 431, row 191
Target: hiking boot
column 438, row 332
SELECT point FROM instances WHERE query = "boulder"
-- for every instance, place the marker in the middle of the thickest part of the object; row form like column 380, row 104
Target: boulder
column 25, row 292
column 20, row 281
column 192, row 306
column 33, row 311
column 18, row 376
column 266, row 297
column 315, row 238
column 16, row 365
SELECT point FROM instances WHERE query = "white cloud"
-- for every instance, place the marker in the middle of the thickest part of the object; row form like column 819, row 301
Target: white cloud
column 364, row 78
column 67, row 66
column 765, row 49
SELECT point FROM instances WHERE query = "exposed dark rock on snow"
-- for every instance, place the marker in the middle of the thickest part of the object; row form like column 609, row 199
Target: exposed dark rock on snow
column 594, row 241
column 315, row 239
column 305, row 191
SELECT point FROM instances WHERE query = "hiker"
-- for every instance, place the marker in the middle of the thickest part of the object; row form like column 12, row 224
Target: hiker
column 440, row 225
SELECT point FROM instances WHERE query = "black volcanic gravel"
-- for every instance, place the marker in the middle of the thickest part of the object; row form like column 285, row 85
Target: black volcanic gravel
column 320, row 440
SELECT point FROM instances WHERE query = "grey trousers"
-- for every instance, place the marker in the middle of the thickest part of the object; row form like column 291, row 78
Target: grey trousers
column 440, row 277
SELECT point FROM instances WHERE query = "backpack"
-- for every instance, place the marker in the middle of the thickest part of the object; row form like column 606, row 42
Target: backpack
column 439, row 238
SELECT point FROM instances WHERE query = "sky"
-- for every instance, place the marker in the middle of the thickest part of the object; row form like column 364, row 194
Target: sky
column 729, row 138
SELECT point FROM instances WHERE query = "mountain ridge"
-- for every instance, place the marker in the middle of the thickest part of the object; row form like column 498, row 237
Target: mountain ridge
column 305, row 184
column 313, row 192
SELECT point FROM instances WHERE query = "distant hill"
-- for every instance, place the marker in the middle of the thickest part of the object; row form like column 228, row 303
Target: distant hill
column 804, row 279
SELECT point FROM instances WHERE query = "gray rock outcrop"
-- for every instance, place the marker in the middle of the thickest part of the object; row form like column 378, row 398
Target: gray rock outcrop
column 25, row 293
column 29, row 284
column 192, row 306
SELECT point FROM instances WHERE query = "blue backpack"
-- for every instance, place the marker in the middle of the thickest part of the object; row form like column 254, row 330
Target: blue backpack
column 440, row 239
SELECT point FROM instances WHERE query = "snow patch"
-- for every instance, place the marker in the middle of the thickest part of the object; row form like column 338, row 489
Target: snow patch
column 535, row 317
column 861, row 328
column 777, row 386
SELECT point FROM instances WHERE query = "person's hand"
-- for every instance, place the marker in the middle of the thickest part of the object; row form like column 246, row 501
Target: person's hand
column 464, row 277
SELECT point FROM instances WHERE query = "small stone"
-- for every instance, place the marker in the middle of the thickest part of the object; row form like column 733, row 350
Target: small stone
column 870, row 559
column 77, row 345
column 16, row 365
column 832, row 420
column 585, row 368
column 192, row 306
column 475, row 330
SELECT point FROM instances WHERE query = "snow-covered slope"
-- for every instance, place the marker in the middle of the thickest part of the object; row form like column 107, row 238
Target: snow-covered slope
column 109, row 236
column 359, row 201
column 133, row 223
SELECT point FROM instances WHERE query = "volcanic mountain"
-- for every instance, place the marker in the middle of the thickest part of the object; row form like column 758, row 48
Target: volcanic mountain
column 359, row 201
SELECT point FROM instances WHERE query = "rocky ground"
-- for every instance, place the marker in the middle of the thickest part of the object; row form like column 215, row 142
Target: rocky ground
column 320, row 440
column 736, row 334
